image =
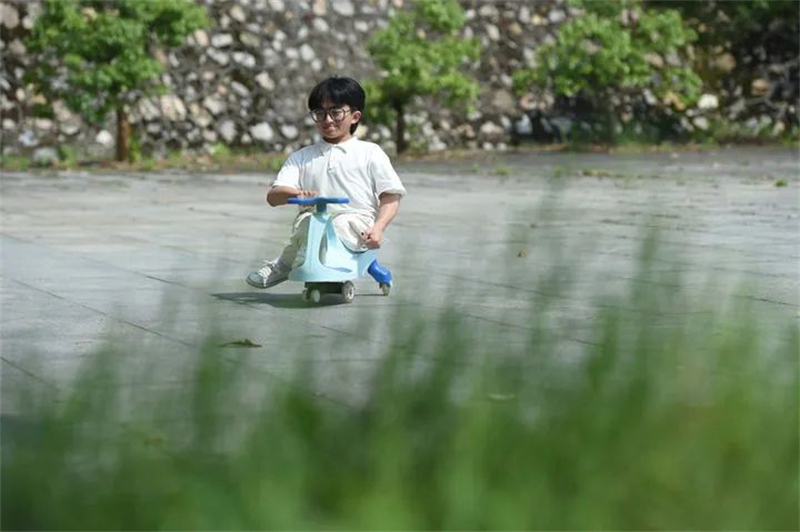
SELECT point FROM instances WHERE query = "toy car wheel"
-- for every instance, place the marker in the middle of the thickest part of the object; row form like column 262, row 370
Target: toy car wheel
column 314, row 295
column 386, row 288
column 306, row 296
column 348, row 292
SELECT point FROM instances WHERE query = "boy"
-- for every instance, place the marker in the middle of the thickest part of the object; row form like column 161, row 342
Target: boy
column 339, row 165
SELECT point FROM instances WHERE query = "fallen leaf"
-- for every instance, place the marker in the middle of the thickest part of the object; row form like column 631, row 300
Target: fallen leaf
column 241, row 343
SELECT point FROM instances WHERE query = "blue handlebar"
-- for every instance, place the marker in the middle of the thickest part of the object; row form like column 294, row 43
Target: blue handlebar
column 317, row 200
column 320, row 201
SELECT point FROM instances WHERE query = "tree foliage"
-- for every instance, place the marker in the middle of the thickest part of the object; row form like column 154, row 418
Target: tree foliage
column 721, row 22
column 616, row 48
column 98, row 56
column 421, row 53
column 762, row 36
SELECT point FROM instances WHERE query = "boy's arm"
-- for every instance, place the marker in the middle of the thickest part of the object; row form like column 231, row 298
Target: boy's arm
column 278, row 195
column 389, row 203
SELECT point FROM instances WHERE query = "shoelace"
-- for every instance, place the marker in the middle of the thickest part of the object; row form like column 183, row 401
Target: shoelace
column 271, row 264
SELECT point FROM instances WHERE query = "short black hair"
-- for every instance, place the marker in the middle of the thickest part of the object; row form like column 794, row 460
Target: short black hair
column 339, row 91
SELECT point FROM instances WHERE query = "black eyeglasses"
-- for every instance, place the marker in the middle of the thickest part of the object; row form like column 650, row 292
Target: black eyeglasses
column 337, row 114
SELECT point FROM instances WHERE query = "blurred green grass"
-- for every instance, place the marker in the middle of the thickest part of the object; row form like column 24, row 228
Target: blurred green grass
column 693, row 425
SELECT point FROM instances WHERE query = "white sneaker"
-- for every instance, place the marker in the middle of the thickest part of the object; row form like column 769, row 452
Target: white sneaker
column 272, row 273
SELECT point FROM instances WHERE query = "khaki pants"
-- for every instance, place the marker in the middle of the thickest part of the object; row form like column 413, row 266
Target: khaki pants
column 348, row 227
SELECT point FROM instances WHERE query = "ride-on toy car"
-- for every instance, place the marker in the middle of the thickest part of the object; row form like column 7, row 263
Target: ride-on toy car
column 329, row 267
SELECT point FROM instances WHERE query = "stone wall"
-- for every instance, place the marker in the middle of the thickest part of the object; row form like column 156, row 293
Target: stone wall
column 244, row 81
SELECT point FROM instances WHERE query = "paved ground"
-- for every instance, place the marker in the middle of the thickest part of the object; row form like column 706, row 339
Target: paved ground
column 156, row 261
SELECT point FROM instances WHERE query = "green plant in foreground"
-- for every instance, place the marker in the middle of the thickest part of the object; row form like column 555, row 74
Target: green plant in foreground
column 693, row 425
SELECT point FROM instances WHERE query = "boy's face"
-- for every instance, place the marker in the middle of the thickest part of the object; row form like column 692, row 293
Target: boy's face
column 334, row 121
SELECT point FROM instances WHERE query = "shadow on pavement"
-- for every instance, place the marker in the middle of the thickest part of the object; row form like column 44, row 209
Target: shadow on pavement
column 276, row 300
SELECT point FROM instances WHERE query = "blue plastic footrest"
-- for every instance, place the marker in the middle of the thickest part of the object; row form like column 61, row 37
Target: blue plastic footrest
column 379, row 273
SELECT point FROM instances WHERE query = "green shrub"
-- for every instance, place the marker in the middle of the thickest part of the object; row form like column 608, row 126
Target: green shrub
column 101, row 53
column 14, row 162
column 68, row 155
column 420, row 53
column 220, row 150
column 616, row 49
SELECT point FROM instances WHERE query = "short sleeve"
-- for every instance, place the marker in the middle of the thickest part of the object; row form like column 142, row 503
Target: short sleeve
column 289, row 174
column 383, row 174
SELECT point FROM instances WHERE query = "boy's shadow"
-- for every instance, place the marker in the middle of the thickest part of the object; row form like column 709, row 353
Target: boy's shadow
column 275, row 300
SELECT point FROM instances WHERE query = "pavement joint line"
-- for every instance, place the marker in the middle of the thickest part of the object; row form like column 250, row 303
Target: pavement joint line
column 50, row 247
column 104, row 314
column 29, row 373
column 153, row 277
column 189, row 251
column 753, row 272
column 767, row 300
column 174, row 247
column 629, row 255
column 684, row 222
column 523, row 327
column 572, row 299
column 222, row 214
column 679, row 229
column 566, row 298
column 693, row 244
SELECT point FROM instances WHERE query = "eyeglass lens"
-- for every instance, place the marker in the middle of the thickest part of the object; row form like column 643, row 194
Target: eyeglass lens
column 336, row 113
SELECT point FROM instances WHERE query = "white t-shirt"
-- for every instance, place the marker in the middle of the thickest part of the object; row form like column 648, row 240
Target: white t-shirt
column 355, row 169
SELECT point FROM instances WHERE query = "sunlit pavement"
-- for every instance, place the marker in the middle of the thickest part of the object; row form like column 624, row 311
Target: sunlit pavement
column 157, row 262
